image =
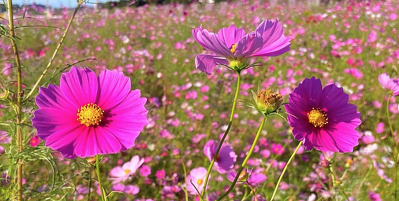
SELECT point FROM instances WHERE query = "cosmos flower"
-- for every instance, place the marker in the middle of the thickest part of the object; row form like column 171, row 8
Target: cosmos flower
column 120, row 174
column 322, row 118
column 389, row 84
column 233, row 46
column 196, row 178
column 88, row 115
column 225, row 159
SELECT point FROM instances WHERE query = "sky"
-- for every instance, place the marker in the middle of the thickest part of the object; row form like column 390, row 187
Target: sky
column 55, row 3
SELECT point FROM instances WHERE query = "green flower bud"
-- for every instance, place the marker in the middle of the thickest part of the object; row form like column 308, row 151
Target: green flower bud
column 267, row 101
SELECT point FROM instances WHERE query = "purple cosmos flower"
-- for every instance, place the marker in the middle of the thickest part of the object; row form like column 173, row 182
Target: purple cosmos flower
column 252, row 178
column 120, row 174
column 225, row 159
column 196, row 178
column 323, row 118
column 88, row 115
column 233, row 46
column 389, row 84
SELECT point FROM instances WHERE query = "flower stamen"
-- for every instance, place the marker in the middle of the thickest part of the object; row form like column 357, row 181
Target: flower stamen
column 200, row 181
column 90, row 115
column 317, row 117
column 233, row 48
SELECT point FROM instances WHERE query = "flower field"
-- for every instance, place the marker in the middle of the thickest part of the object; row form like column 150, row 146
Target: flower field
column 132, row 103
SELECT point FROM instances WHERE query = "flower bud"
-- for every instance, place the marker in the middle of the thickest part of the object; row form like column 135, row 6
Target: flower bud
column 267, row 101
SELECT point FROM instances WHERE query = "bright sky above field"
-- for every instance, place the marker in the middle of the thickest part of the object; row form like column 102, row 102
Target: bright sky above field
column 55, row 3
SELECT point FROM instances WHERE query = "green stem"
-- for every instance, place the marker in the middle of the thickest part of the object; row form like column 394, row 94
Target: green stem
column 99, row 178
column 224, row 135
column 285, row 168
column 335, row 182
column 19, row 98
column 244, row 163
column 185, row 180
column 55, row 52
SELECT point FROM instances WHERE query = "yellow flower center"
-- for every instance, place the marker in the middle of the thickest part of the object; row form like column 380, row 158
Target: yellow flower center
column 233, row 48
column 317, row 117
column 127, row 171
column 200, row 181
column 90, row 114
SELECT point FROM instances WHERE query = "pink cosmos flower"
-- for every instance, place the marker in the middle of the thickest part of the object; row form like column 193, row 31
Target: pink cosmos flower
column 322, row 118
column 34, row 141
column 120, row 174
column 225, row 159
column 389, row 84
column 196, row 178
column 145, row 170
column 160, row 174
column 233, row 46
column 88, row 115
column 131, row 189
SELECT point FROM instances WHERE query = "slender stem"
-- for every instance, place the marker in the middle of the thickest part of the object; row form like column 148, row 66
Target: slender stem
column 55, row 52
column 19, row 98
column 285, row 168
column 99, row 178
column 89, row 193
column 224, row 135
column 335, row 182
column 185, row 180
column 244, row 163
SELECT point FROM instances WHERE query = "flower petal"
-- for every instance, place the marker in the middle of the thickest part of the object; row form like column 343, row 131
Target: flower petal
column 226, row 159
column 79, row 86
column 97, row 140
column 52, row 97
column 114, row 87
column 64, row 140
column 274, row 42
column 206, row 63
column 249, row 44
column 211, row 42
column 231, row 35
column 50, row 120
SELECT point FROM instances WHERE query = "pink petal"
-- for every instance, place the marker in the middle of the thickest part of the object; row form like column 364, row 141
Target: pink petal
column 231, row 35
column 49, row 120
column 97, row 140
column 206, row 63
column 114, row 87
column 211, row 42
column 52, row 97
column 273, row 39
column 117, row 172
column 249, row 44
column 79, row 86
column 64, row 140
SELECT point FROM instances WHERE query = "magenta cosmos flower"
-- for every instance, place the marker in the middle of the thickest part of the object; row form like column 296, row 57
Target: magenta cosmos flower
column 389, row 84
column 233, row 46
column 88, row 115
column 225, row 159
column 322, row 118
